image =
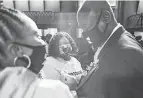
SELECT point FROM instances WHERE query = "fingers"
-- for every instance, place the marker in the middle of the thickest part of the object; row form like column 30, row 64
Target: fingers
column 66, row 78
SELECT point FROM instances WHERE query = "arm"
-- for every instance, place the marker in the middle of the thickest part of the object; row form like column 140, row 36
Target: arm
column 79, row 70
column 73, row 78
column 49, row 71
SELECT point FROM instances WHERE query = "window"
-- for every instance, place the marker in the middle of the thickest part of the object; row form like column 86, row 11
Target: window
column 80, row 2
column 22, row 5
column 50, row 30
column 52, row 5
column 8, row 3
column 36, row 5
column 113, row 2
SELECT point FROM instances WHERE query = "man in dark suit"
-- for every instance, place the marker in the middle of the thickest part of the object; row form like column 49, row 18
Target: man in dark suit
column 119, row 71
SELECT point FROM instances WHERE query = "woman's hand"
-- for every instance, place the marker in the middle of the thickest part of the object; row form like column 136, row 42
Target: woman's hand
column 69, row 80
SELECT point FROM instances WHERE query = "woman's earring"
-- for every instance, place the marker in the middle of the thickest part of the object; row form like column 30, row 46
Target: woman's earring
column 25, row 56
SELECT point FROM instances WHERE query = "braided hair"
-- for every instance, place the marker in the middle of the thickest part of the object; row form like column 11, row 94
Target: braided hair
column 13, row 25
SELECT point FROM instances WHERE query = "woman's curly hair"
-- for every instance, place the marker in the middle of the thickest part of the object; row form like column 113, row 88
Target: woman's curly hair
column 54, row 44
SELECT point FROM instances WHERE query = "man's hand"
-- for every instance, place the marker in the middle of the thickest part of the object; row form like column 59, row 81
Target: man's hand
column 69, row 80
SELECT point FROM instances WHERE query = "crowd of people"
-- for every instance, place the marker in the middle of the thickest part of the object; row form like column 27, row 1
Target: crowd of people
column 32, row 67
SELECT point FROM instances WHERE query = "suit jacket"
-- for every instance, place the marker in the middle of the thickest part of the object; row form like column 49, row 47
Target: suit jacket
column 120, row 72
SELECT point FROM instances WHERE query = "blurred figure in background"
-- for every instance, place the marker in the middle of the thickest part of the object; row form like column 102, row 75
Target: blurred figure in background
column 61, row 61
column 118, row 61
column 20, row 46
column 47, row 40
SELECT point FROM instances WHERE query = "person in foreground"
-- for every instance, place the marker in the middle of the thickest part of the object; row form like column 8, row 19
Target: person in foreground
column 19, row 42
column 118, row 70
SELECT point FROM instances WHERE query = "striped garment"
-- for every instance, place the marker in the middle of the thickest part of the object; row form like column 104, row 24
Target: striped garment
column 15, row 26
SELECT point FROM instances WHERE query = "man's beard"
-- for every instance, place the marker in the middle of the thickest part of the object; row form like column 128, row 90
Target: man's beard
column 66, row 57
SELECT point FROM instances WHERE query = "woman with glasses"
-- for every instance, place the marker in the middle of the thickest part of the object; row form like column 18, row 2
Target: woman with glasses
column 61, row 63
column 21, row 56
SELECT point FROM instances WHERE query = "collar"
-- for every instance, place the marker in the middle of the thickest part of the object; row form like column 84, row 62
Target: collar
column 100, row 48
column 114, row 30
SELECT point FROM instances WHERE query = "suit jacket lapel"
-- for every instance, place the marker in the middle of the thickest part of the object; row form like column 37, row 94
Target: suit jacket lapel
column 88, row 76
column 114, row 38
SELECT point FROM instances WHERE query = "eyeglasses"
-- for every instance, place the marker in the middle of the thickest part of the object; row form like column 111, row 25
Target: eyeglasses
column 65, row 45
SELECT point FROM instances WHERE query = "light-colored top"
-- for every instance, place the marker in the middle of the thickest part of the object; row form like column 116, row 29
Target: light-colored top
column 51, row 89
column 22, row 83
column 53, row 67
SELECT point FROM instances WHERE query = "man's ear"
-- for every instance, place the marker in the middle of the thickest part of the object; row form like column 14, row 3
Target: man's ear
column 106, row 16
column 15, row 50
column 105, row 19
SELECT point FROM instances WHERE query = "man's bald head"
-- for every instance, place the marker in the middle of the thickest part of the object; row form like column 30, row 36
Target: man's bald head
column 84, row 12
column 94, row 5
column 97, row 20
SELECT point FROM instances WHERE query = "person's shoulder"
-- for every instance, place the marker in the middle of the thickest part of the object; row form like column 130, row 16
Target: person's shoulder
column 52, row 89
column 129, row 43
column 73, row 59
column 75, row 63
column 52, row 84
column 49, row 60
column 129, row 48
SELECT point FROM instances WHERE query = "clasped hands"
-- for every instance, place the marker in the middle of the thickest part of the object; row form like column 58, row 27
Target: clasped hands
column 69, row 80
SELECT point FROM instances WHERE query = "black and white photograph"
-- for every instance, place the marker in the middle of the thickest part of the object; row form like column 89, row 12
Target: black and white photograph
column 71, row 48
